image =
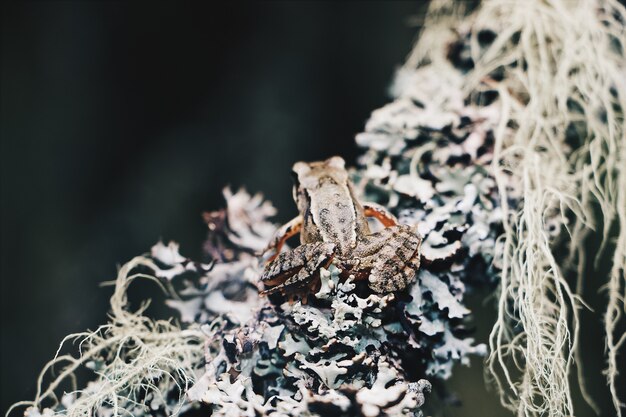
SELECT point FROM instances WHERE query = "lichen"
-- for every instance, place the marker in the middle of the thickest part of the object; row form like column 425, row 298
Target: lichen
column 349, row 351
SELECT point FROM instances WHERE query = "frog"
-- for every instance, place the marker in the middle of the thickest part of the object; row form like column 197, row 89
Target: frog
column 333, row 227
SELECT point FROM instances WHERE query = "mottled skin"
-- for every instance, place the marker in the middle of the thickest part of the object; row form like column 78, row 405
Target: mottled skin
column 333, row 228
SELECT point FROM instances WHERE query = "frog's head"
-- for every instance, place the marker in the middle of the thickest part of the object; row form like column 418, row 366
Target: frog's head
column 310, row 176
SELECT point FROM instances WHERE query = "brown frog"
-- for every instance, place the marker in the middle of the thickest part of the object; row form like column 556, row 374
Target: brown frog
column 333, row 228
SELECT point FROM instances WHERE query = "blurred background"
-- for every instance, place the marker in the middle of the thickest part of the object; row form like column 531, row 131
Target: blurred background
column 120, row 123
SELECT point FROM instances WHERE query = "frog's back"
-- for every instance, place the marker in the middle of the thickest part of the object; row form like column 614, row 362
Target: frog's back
column 335, row 216
column 333, row 210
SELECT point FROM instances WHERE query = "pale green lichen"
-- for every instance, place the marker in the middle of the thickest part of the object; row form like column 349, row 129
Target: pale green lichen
column 140, row 364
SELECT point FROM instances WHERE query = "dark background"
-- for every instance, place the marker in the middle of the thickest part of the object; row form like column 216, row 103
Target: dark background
column 121, row 123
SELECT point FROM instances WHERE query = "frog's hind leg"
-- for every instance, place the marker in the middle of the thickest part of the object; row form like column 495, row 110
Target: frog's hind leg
column 391, row 257
column 297, row 271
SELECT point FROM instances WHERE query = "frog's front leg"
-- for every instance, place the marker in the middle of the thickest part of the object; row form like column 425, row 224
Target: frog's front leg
column 297, row 271
column 391, row 257
column 281, row 235
column 381, row 213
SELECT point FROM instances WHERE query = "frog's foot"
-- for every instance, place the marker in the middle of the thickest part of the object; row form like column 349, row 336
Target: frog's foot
column 389, row 258
column 296, row 272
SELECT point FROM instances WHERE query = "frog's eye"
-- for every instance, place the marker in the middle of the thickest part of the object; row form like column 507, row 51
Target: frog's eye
column 336, row 162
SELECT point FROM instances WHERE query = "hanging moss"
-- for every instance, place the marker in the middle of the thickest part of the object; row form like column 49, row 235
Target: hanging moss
column 558, row 69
